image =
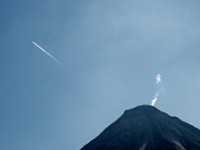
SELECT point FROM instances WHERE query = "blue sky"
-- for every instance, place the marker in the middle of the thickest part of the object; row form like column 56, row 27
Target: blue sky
column 113, row 49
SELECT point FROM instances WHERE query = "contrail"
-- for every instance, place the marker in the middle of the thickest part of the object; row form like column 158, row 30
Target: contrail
column 50, row 55
column 158, row 81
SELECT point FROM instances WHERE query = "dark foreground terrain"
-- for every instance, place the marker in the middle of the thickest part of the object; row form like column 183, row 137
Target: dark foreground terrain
column 147, row 128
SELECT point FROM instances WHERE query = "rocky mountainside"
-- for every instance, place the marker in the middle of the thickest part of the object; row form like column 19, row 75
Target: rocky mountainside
column 147, row 128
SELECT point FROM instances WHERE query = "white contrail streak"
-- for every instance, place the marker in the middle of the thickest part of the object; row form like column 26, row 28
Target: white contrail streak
column 158, row 81
column 50, row 55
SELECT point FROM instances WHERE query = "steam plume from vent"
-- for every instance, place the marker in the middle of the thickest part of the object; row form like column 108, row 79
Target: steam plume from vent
column 155, row 98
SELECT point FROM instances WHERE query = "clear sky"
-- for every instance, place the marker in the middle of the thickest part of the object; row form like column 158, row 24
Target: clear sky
column 113, row 49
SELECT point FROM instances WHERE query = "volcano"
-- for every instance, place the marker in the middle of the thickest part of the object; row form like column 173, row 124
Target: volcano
column 147, row 128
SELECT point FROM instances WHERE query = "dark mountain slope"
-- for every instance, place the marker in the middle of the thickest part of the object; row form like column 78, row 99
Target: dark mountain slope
column 147, row 128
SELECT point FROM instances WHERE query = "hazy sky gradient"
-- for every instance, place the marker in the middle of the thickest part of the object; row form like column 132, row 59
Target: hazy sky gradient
column 113, row 48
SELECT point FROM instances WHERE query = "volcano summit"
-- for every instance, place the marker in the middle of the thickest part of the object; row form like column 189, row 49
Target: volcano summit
column 147, row 128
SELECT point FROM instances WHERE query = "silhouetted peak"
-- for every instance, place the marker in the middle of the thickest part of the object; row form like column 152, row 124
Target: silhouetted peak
column 146, row 127
column 141, row 110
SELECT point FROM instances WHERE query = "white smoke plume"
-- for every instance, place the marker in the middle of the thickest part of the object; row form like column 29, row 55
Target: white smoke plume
column 155, row 98
column 50, row 55
column 153, row 102
column 158, row 79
